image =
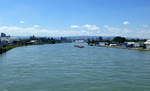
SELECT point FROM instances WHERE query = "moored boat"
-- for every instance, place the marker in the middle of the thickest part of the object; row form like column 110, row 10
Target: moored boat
column 78, row 46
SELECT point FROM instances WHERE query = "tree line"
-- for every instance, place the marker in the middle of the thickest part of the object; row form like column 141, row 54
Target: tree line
column 117, row 39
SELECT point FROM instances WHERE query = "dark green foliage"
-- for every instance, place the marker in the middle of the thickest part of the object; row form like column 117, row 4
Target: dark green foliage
column 136, row 40
column 6, row 48
column 100, row 38
column 119, row 39
column 44, row 40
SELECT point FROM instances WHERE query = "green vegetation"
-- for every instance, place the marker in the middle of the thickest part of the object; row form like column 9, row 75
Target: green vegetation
column 119, row 39
column 120, row 42
column 6, row 48
column 30, row 41
column 44, row 40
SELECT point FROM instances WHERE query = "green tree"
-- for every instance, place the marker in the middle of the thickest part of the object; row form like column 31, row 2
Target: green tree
column 119, row 39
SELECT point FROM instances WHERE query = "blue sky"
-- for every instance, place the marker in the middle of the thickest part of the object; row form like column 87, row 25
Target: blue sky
column 129, row 18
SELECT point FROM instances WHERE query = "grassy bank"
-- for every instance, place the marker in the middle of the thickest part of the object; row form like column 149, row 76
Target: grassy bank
column 8, row 47
column 138, row 49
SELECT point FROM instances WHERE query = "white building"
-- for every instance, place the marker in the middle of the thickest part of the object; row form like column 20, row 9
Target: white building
column 112, row 45
column 135, row 44
column 5, row 40
column 130, row 43
column 79, row 41
column 147, row 43
column 102, row 43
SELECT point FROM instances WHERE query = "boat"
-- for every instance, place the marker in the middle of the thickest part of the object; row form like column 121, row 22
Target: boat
column 78, row 46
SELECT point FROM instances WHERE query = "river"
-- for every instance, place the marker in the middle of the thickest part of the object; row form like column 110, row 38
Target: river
column 61, row 67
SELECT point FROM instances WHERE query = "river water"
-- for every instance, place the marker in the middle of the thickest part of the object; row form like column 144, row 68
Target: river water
column 61, row 67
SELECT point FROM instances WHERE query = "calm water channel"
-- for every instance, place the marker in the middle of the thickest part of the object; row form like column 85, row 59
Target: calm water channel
column 61, row 67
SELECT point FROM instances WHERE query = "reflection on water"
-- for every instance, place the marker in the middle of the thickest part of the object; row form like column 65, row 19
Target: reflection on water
column 61, row 67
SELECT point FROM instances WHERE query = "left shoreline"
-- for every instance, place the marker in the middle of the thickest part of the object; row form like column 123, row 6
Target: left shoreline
column 7, row 43
column 9, row 47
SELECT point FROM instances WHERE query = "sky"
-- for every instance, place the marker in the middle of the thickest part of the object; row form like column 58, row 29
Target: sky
column 128, row 18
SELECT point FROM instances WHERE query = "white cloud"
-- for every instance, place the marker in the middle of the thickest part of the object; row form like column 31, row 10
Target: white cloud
column 85, row 27
column 36, row 26
column 75, row 26
column 116, row 31
column 91, row 27
column 113, row 29
column 22, row 22
column 29, row 31
column 126, row 22
column 106, row 26
column 104, row 31
column 133, row 33
column 145, row 26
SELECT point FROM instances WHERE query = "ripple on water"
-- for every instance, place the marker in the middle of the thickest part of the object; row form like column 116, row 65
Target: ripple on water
column 61, row 67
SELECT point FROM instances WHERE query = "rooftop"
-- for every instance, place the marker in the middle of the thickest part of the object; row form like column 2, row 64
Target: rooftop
column 147, row 42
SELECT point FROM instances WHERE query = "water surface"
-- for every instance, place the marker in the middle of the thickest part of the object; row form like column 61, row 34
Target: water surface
column 61, row 67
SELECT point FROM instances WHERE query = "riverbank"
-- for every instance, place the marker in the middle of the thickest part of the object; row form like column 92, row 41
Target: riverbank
column 119, row 47
column 6, row 43
column 122, row 43
column 9, row 47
